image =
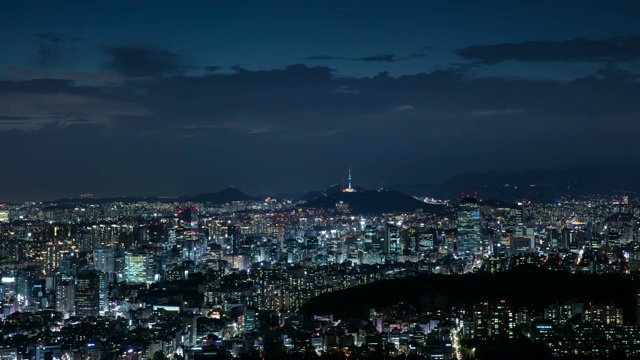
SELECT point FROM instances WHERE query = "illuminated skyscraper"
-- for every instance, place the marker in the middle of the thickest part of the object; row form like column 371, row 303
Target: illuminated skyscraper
column 104, row 260
column 393, row 238
column 469, row 230
column 87, row 293
column 4, row 216
column 66, row 298
column 139, row 266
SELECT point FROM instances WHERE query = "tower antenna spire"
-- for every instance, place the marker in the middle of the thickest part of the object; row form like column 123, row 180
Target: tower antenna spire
column 349, row 187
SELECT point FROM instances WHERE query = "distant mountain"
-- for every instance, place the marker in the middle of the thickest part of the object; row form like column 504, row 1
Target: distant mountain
column 294, row 195
column 497, row 203
column 222, row 197
column 67, row 202
column 594, row 177
column 366, row 201
column 313, row 195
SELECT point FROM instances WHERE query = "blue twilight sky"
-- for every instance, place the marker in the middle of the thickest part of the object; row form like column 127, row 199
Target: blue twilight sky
column 169, row 98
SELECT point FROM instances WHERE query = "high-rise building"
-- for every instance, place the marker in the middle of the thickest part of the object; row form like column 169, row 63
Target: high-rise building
column 66, row 298
column 48, row 352
column 103, row 293
column 250, row 321
column 4, row 216
column 10, row 353
column 189, row 216
column 393, row 238
column 233, row 238
column 138, row 266
column 469, row 229
column 69, row 264
column 514, row 219
column 104, row 260
column 88, row 293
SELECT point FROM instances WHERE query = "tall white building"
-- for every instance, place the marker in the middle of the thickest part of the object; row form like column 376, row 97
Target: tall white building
column 4, row 216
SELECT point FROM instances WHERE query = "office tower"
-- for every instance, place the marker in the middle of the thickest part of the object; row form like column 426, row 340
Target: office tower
column 233, row 238
column 425, row 241
column 66, row 298
column 291, row 251
column 189, row 216
column 393, row 238
column 48, row 352
column 139, row 266
column 4, row 216
column 469, row 230
column 514, row 219
column 103, row 293
column 104, row 260
column 87, row 293
column 569, row 239
column 69, row 264
column 10, row 353
column 250, row 321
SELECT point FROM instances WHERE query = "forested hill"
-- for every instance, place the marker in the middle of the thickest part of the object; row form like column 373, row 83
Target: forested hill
column 525, row 286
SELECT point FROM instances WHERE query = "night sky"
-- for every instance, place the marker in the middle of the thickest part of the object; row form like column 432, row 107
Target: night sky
column 183, row 97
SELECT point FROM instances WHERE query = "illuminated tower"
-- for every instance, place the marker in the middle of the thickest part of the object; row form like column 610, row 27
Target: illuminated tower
column 469, row 236
column 350, row 188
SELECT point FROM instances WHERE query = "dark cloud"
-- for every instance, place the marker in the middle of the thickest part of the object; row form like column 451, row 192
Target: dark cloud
column 212, row 68
column 611, row 49
column 378, row 58
column 13, row 118
column 34, row 104
column 385, row 58
column 143, row 61
column 325, row 57
column 38, row 86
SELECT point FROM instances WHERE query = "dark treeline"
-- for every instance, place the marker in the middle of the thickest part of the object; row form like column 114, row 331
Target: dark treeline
column 524, row 286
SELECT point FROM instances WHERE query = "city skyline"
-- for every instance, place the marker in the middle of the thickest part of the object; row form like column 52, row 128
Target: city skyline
column 121, row 99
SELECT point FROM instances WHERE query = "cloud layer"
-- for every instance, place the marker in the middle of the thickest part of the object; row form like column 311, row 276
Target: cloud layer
column 279, row 128
column 582, row 49
column 143, row 61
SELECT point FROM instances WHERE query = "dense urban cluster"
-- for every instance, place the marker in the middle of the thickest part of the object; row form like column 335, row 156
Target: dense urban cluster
column 118, row 280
